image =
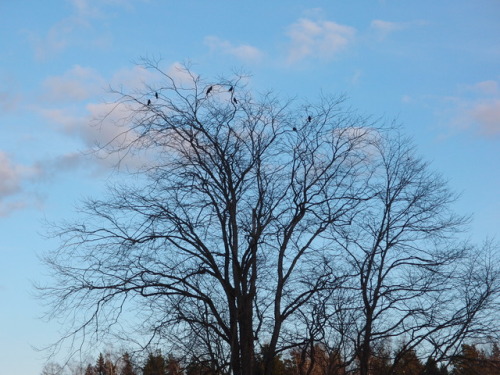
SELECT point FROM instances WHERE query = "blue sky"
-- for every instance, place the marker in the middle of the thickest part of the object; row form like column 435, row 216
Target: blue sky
column 432, row 65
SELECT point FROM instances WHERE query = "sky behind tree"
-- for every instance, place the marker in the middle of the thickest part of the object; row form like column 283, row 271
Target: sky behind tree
column 433, row 67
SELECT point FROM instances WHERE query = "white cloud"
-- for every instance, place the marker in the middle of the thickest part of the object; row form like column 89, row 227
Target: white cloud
column 101, row 124
column 135, row 78
column 318, row 39
column 103, row 128
column 387, row 26
column 244, row 52
column 98, row 124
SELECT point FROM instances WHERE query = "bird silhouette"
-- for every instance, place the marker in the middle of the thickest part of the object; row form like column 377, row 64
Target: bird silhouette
column 209, row 89
column 230, row 89
column 149, row 101
column 294, row 129
column 309, row 118
column 156, row 95
column 235, row 101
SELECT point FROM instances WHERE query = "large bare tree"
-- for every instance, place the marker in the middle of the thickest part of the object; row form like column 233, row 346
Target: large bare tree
column 257, row 222
column 220, row 242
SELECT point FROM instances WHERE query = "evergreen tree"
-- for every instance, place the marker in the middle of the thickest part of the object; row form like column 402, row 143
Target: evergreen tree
column 380, row 362
column 173, row 366
column 109, row 367
column 469, row 362
column 127, row 368
column 431, row 367
column 155, row 365
column 100, row 367
column 443, row 370
column 90, row 370
column 408, row 363
column 494, row 359
column 196, row 367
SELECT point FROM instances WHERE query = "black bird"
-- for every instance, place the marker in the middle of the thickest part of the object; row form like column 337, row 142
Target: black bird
column 156, row 95
column 309, row 118
column 149, row 101
column 235, row 101
column 230, row 89
column 209, row 89
column 294, row 129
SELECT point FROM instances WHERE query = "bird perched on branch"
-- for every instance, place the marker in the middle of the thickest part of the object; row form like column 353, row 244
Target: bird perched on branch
column 209, row 89
column 309, row 118
column 149, row 101
column 156, row 95
column 230, row 89
column 235, row 101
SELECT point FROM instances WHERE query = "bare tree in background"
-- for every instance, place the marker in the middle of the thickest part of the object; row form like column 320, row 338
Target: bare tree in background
column 220, row 242
column 407, row 265
column 471, row 310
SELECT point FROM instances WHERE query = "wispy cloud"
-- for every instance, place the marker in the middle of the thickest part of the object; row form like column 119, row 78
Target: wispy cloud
column 382, row 29
column 318, row 39
column 244, row 52
column 77, row 29
column 489, row 87
column 9, row 94
column 58, row 38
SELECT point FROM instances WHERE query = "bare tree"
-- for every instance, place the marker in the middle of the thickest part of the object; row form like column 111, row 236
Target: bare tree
column 221, row 241
column 472, row 307
column 405, row 259
column 52, row 368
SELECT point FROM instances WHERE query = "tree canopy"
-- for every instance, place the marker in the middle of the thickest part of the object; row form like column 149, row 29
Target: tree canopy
column 256, row 222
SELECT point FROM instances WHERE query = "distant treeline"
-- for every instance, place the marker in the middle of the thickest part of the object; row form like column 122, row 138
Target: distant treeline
column 317, row 360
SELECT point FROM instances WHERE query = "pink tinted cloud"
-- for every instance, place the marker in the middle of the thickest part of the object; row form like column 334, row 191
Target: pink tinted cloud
column 78, row 83
column 477, row 108
column 10, row 96
column 485, row 114
column 13, row 176
column 9, row 176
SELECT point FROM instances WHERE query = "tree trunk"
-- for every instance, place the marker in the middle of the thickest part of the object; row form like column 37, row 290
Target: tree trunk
column 246, row 336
